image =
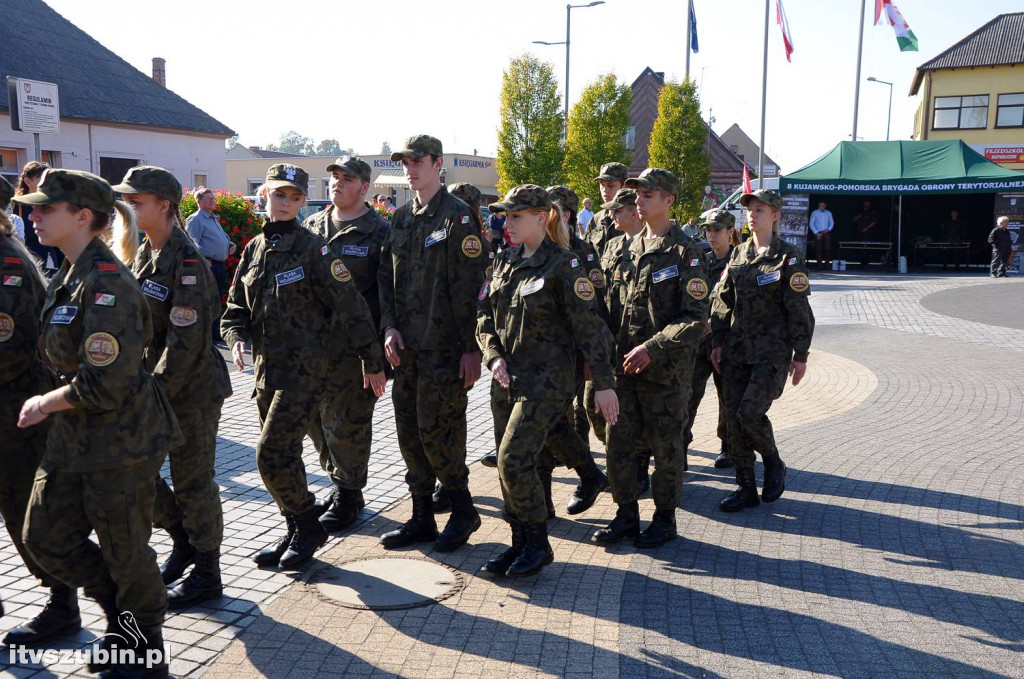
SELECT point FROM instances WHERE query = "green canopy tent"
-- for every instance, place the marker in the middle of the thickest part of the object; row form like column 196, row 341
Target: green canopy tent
column 898, row 168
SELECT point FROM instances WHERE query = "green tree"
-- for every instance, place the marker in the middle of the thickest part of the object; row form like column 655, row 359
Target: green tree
column 385, row 149
column 231, row 142
column 331, row 147
column 677, row 144
column 530, row 128
column 598, row 123
column 293, row 142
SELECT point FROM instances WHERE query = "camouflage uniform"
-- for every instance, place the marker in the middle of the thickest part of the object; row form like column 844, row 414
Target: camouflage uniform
column 103, row 455
column 657, row 297
column 342, row 431
column 534, row 305
column 432, row 267
column 762, row 319
column 602, row 225
column 289, row 292
column 22, row 375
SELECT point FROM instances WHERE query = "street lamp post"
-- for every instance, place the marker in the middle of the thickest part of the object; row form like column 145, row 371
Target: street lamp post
column 568, row 19
column 888, row 122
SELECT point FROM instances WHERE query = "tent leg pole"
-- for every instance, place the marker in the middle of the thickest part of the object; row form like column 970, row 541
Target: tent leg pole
column 899, row 235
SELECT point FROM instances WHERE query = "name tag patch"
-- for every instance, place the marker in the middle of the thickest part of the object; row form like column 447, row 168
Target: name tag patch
column 767, row 278
column 435, row 238
column 63, row 315
column 289, row 277
column 355, row 251
column 155, row 290
column 13, row 281
column 188, row 280
column 665, row 274
column 531, row 287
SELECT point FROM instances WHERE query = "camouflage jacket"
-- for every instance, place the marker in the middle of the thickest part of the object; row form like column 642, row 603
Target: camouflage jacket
column 592, row 263
column 657, row 292
column 601, row 230
column 715, row 268
column 184, row 303
column 760, row 312
column 96, row 327
column 286, row 292
column 534, row 306
column 432, row 266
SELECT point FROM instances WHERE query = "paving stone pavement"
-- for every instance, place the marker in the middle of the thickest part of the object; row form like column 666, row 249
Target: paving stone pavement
column 896, row 550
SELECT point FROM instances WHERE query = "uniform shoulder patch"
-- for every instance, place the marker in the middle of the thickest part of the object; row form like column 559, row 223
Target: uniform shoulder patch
column 104, row 299
column 13, row 281
column 597, row 278
column 101, row 349
column 584, row 289
column 12, row 261
column 188, row 280
column 6, row 327
column 799, row 282
column 471, row 247
column 106, row 267
column 183, row 316
column 697, row 288
column 340, row 273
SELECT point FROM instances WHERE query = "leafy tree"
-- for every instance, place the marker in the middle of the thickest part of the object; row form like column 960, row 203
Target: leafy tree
column 231, row 142
column 330, row 147
column 677, row 144
column 598, row 123
column 530, row 129
column 293, row 142
column 385, row 149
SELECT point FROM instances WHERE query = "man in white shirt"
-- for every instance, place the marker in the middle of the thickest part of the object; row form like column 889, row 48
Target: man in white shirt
column 821, row 226
column 584, row 217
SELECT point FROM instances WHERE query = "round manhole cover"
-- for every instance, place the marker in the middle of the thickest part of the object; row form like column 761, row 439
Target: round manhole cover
column 386, row 583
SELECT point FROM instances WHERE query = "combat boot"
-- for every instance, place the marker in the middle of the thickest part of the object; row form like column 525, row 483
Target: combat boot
column 152, row 639
column 499, row 564
column 463, row 522
column 328, row 501
column 643, row 473
column 344, row 511
column 442, row 500
column 592, row 482
column 202, row 583
column 490, row 460
column 420, row 527
column 744, row 496
column 183, row 555
column 59, row 616
column 661, row 530
column 545, row 483
column 271, row 554
column 536, row 554
column 626, row 524
column 724, row 460
column 309, row 537
column 774, row 477
column 113, row 634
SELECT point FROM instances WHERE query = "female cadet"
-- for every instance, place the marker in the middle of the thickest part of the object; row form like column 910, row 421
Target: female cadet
column 28, row 180
column 184, row 302
column 761, row 324
column 538, row 297
column 112, row 424
column 23, row 374
column 286, row 289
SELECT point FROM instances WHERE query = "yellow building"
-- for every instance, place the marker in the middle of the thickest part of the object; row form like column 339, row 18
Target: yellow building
column 974, row 91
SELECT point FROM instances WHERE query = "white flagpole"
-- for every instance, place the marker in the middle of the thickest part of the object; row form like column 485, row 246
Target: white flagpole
column 764, row 96
column 860, row 52
column 689, row 38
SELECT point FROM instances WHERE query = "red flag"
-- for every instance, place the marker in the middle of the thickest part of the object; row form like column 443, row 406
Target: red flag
column 787, row 39
column 746, row 180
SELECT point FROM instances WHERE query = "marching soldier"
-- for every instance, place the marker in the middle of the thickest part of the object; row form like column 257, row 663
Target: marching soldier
column 602, row 227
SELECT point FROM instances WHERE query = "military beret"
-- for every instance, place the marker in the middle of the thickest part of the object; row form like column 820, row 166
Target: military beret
column 151, row 179
column 73, row 186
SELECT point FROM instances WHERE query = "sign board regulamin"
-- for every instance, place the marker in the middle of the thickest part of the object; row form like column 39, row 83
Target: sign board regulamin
column 34, row 106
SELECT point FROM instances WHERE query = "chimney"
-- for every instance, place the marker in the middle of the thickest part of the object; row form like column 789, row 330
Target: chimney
column 160, row 71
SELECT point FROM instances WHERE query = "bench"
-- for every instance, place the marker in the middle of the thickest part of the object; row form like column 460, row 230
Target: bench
column 966, row 247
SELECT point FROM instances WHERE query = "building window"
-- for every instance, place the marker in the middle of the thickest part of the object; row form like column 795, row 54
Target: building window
column 961, row 113
column 199, row 180
column 254, row 185
column 1010, row 110
column 735, row 149
column 631, row 138
column 114, row 169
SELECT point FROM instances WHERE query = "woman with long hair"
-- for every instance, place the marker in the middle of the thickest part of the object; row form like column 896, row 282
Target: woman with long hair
column 112, row 424
column 184, row 302
column 28, row 180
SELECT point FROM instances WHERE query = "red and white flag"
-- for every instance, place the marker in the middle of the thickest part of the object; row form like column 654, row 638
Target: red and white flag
column 886, row 11
column 787, row 38
column 746, row 180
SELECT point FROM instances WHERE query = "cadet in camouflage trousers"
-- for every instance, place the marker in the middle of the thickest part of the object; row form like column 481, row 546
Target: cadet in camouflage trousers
column 762, row 324
column 602, row 225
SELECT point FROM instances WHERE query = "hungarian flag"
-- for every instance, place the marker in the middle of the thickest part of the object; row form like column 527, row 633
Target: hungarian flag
column 787, row 38
column 746, row 180
column 886, row 11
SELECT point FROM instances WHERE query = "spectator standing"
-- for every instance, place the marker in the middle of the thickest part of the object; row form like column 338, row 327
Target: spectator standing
column 584, row 217
column 822, row 224
column 1002, row 246
column 496, row 227
column 208, row 235
column 692, row 229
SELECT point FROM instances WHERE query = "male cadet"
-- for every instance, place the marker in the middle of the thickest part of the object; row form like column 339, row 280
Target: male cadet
column 343, row 429
column 601, row 228
column 432, row 267
column 657, row 311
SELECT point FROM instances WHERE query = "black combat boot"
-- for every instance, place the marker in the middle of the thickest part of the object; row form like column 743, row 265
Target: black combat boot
column 152, row 639
column 442, row 500
column 545, row 483
column 536, row 554
column 463, row 522
column 59, row 616
column 344, row 510
column 183, row 555
column 114, row 633
column 499, row 564
column 774, row 477
column 490, row 460
column 661, row 530
column 328, row 501
column 643, row 473
column 202, row 583
column 420, row 527
column 724, row 460
column 592, row 482
column 271, row 554
column 309, row 537
column 687, row 440
column 626, row 524
column 744, row 496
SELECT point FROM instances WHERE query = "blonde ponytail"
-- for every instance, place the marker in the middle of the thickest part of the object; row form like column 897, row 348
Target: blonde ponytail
column 555, row 229
column 124, row 233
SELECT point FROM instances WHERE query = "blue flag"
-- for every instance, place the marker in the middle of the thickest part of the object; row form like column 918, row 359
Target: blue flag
column 693, row 29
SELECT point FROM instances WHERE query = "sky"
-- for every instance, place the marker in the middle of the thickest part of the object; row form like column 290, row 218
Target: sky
column 369, row 72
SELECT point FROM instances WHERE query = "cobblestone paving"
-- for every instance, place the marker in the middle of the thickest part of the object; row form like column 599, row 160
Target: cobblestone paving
column 896, row 551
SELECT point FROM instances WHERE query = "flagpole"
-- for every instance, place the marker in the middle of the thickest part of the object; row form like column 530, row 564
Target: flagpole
column 764, row 96
column 689, row 37
column 860, row 52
